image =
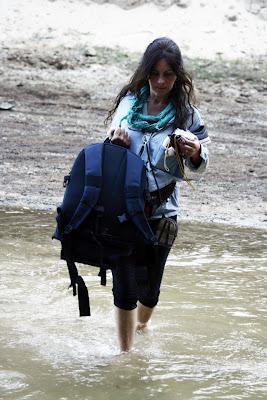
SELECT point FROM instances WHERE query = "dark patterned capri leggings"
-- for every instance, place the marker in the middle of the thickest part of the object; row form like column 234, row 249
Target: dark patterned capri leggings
column 138, row 277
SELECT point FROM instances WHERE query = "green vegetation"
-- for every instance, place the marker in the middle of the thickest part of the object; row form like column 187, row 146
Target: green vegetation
column 106, row 55
column 220, row 69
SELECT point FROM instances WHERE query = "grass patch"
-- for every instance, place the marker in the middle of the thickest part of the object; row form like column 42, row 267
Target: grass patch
column 106, row 55
column 217, row 69
column 220, row 69
column 80, row 56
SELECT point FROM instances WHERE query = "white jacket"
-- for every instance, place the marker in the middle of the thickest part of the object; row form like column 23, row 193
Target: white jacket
column 151, row 149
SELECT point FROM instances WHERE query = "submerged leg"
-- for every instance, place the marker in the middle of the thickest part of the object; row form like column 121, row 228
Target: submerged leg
column 149, row 276
column 143, row 316
column 125, row 300
column 126, row 322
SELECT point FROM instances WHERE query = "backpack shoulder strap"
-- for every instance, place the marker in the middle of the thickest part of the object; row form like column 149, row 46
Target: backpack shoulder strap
column 133, row 196
column 92, row 186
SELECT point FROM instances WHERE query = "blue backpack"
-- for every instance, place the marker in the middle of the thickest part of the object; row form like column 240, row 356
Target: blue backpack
column 102, row 216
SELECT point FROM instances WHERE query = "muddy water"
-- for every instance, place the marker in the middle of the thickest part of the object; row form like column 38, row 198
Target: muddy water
column 207, row 340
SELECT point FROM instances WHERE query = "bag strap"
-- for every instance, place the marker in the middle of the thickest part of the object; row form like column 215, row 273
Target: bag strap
column 135, row 206
column 159, row 196
column 76, row 279
column 165, row 193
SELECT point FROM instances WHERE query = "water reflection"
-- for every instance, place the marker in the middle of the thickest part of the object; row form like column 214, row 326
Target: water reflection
column 209, row 333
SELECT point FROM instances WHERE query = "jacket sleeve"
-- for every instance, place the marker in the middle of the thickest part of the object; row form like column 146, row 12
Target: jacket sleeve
column 120, row 113
column 204, row 155
column 196, row 126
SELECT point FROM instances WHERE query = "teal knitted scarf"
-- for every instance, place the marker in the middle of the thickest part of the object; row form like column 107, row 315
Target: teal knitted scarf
column 148, row 123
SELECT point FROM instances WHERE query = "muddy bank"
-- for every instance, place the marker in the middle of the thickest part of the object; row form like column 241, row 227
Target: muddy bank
column 59, row 103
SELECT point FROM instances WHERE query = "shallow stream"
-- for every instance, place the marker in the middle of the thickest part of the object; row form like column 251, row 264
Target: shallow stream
column 207, row 340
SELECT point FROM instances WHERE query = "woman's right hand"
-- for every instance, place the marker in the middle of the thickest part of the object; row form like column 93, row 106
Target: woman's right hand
column 120, row 137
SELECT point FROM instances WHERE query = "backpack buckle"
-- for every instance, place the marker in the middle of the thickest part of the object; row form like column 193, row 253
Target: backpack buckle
column 66, row 180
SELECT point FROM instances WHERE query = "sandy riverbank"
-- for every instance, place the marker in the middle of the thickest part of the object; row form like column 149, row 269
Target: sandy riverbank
column 62, row 74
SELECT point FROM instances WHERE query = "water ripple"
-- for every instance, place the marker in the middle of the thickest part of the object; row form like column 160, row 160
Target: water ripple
column 207, row 341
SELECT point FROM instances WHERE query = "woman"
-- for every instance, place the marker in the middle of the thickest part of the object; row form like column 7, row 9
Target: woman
column 158, row 100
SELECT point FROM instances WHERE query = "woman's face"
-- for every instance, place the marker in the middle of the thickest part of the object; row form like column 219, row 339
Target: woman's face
column 161, row 79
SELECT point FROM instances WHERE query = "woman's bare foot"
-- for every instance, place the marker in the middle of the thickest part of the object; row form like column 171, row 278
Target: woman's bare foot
column 141, row 327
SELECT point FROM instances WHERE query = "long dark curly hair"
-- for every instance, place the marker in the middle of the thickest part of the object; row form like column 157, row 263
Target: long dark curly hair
column 182, row 94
